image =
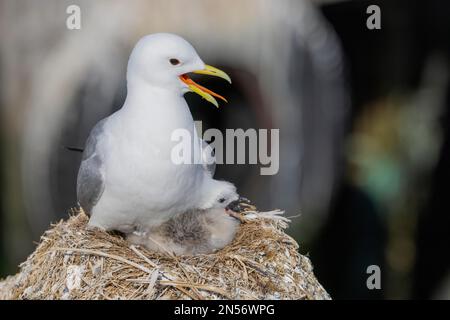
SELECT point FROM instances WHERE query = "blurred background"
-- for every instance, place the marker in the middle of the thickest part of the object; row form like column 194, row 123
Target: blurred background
column 363, row 116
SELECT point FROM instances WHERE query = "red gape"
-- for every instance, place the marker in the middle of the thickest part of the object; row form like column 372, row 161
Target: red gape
column 189, row 81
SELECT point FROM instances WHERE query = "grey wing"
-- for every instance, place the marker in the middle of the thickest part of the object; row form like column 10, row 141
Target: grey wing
column 91, row 175
column 208, row 158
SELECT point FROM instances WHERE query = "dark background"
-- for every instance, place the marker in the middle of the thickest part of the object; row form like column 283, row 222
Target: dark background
column 383, row 63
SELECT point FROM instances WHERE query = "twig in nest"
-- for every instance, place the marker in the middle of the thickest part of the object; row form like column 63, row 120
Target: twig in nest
column 141, row 255
column 236, row 216
column 103, row 254
column 198, row 286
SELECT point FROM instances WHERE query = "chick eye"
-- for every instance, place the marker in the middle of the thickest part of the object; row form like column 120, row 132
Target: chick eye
column 174, row 62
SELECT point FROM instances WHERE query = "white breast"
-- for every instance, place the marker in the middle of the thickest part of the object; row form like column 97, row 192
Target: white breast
column 143, row 186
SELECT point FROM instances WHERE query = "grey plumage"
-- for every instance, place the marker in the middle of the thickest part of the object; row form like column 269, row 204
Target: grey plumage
column 192, row 232
column 91, row 176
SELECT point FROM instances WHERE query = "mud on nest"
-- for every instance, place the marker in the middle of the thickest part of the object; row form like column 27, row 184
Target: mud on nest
column 72, row 262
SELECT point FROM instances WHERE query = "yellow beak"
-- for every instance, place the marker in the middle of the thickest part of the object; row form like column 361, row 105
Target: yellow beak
column 202, row 91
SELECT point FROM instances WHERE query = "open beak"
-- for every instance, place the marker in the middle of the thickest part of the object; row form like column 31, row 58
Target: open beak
column 202, row 91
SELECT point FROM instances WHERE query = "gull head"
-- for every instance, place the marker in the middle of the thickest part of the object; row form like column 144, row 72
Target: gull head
column 165, row 60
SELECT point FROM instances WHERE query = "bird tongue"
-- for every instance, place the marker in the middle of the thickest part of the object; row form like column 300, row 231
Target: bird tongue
column 191, row 82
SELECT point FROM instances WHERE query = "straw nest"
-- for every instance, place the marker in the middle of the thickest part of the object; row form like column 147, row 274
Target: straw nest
column 72, row 262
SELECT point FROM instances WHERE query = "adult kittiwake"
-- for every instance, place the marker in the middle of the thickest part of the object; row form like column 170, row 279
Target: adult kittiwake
column 128, row 180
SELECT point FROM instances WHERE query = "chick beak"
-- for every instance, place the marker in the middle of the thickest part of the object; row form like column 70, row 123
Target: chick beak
column 202, row 91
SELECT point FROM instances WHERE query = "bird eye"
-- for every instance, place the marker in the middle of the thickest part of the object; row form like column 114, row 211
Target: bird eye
column 222, row 200
column 174, row 62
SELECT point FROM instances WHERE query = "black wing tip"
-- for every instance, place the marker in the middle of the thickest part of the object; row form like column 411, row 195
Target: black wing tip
column 76, row 149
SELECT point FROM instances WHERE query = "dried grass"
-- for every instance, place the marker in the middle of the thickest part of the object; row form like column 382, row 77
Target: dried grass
column 72, row 262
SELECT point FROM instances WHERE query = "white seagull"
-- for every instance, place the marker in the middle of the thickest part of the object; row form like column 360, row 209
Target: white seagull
column 127, row 180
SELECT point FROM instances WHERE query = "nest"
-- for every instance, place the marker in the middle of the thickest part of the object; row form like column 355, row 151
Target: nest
column 72, row 262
